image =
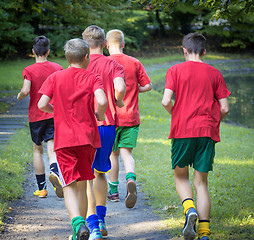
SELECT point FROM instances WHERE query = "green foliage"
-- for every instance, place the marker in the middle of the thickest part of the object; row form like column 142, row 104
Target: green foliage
column 228, row 24
column 13, row 163
column 62, row 20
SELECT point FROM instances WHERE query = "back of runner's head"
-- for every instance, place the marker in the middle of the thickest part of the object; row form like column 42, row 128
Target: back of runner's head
column 41, row 45
column 94, row 36
column 115, row 37
column 194, row 43
column 75, row 50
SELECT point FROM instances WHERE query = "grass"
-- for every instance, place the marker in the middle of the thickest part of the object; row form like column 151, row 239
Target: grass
column 12, row 80
column 14, row 160
column 180, row 57
column 11, row 72
column 231, row 183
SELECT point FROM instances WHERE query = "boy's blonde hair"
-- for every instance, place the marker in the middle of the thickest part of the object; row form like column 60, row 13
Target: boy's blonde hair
column 115, row 36
column 75, row 50
column 94, row 36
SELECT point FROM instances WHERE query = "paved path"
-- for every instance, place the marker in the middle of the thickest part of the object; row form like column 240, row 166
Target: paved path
column 13, row 119
column 46, row 219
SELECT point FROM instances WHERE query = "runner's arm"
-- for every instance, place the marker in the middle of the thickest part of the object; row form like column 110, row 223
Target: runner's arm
column 146, row 88
column 166, row 100
column 224, row 107
column 102, row 104
column 120, row 90
column 25, row 90
column 44, row 104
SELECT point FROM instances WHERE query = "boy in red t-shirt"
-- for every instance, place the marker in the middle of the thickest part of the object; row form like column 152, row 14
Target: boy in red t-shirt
column 200, row 105
column 137, row 81
column 41, row 124
column 75, row 91
column 112, row 75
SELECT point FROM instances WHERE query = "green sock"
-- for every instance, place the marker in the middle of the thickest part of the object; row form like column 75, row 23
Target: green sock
column 113, row 187
column 75, row 223
column 131, row 175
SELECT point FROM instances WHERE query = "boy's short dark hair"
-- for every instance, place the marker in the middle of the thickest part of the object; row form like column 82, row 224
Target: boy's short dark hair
column 41, row 45
column 94, row 36
column 75, row 50
column 194, row 43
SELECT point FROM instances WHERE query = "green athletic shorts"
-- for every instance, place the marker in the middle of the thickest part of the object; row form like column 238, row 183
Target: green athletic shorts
column 126, row 137
column 197, row 152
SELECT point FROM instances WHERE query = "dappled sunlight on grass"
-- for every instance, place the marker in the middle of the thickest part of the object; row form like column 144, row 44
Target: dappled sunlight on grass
column 237, row 162
column 154, row 140
column 215, row 57
column 149, row 117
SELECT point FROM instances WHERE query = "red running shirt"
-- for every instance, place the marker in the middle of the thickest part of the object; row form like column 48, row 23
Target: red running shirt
column 73, row 91
column 37, row 73
column 196, row 112
column 135, row 75
column 108, row 70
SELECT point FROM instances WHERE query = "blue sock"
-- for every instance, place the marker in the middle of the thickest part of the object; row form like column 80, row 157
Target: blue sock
column 92, row 222
column 101, row 212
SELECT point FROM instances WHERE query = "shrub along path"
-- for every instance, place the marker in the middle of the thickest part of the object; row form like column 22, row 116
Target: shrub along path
column 33, row 218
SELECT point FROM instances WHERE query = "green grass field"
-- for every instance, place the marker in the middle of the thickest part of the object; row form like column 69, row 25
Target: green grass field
column 231, row 183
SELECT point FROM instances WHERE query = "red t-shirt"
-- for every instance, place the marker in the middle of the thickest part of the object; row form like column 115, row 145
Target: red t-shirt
column 37, row 73
column 135, row 75
column 73, row 91
column 108, row 70
column 196, row 112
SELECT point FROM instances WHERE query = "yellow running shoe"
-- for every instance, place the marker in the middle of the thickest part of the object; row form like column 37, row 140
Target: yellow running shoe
column 54, row 179
column 41, row 193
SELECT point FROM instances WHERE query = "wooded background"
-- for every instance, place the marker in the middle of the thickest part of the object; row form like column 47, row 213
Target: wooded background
column 229, row 24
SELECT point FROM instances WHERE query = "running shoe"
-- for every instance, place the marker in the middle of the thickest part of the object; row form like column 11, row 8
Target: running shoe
column 41, row 193
column 95, row 234
column 131, row 197
column 204, row 238
column 54, row 179
column 189, row 232
column 114, row 197
column 103, row 229
column 82, row 234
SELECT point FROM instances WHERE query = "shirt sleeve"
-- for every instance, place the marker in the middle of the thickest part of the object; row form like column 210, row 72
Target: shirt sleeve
column 221, row 90
column 47, row 87
column 97, row 83
column 26, row 75
column 170, row 83
column 118, row 70
column 143, row 78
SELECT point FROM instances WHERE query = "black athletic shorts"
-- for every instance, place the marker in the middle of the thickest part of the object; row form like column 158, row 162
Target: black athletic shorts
column 42, row 130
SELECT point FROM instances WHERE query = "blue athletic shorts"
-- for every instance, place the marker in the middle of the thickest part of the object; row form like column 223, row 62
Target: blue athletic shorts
column 102, row 162
column 42, row 130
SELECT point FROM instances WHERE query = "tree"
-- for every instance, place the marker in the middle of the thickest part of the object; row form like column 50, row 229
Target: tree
column 224, row 9
column 59, row 20
column 230, row 22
